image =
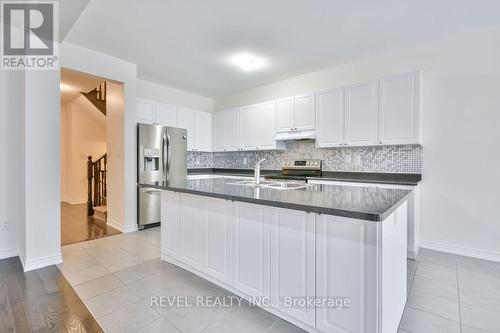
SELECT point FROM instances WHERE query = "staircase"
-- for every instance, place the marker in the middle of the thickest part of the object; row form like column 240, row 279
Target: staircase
column 97, row 187
column 97, row 170
column 100, row 213
column 97, row 97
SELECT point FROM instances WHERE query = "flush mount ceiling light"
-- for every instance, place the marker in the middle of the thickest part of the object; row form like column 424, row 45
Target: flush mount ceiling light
column 248, row 62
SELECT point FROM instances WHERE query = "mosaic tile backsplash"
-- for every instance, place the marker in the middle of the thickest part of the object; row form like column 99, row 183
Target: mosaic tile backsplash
column 391, row 159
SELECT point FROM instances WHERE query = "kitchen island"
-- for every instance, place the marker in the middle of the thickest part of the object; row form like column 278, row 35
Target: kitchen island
column 328, row 258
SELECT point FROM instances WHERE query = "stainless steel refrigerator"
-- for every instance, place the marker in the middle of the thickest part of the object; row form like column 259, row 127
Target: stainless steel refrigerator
column 162, row 157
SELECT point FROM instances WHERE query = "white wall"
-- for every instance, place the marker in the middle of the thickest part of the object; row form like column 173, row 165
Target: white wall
column 115, row 134
column 83, row 134
column 42, row 170
column 164, row 94
column 461, row 122
column 124, row 152
column 11, row 162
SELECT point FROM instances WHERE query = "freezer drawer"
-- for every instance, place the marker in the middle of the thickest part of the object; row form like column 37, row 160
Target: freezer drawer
column 149, row 206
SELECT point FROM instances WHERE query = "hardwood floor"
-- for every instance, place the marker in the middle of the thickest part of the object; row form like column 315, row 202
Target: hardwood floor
column 77, row 227
column 40, row 301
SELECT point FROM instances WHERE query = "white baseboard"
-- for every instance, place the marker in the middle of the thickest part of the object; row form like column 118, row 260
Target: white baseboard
column 21, row 257
column 411, row 254
column 75, row 201
column 123, row 228
column 462, row 251
column 36, row 263
column 9, row 253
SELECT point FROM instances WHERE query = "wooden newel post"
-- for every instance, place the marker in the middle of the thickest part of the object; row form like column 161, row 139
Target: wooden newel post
column 90, row 210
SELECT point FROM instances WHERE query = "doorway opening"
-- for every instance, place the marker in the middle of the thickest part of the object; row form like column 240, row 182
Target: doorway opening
column 85, row 167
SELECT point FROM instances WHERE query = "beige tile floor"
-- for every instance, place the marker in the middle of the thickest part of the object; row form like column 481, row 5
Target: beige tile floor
column 117, row 276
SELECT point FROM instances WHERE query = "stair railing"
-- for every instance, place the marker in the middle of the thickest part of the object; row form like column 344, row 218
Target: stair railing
column 97, row 97
column 96, row 183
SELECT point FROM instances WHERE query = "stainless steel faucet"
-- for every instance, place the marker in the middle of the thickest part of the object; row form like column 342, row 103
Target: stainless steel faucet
column 257, row 171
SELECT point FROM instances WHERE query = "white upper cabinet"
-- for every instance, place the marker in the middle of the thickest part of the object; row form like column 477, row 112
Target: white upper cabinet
column 166, row 114
column 185, row 119
column 295, row 114
column 202, row 131
column 361, row 114
column 145, row 112
column 249, row 127
column 330, row 118
column 379, row 112
column 304, row 113
column 233, row 134
column 199, row 128
column 197, row 123
column 399, row 109
column 219, row 131
column 267, row 125
column 285, row 114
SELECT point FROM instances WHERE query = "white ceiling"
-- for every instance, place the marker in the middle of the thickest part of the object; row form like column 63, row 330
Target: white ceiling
column 186, row 43
column 69, row 10
column 73, row 83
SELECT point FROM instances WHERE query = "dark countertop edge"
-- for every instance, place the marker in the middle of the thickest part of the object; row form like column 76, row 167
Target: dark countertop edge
column 410, row 179
column 394, row 207
column 370, row 217
column 368, row 181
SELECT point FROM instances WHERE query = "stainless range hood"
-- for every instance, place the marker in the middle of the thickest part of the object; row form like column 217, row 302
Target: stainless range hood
column 296, row 135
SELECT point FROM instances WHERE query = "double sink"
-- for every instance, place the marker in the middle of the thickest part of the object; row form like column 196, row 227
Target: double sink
column 272, row 184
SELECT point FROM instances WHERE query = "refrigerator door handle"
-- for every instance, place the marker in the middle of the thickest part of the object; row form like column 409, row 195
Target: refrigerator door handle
column 163, row 139
column 169, row 155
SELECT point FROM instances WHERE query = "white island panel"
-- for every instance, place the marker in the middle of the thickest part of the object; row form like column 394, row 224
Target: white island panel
column 255, row 250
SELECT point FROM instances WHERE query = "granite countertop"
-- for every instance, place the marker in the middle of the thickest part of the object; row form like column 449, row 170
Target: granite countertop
column 361, row 177
column 365, row 203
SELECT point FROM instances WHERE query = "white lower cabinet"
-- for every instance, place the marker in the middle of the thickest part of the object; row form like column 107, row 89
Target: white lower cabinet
column 170, row 224
column 346, row 267
column 287, row 256
column 218, row 237
column 192, row 220
column 251, row 248
column 293, row 263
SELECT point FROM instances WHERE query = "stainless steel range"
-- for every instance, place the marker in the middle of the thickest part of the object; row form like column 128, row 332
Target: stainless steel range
column 298, row 170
